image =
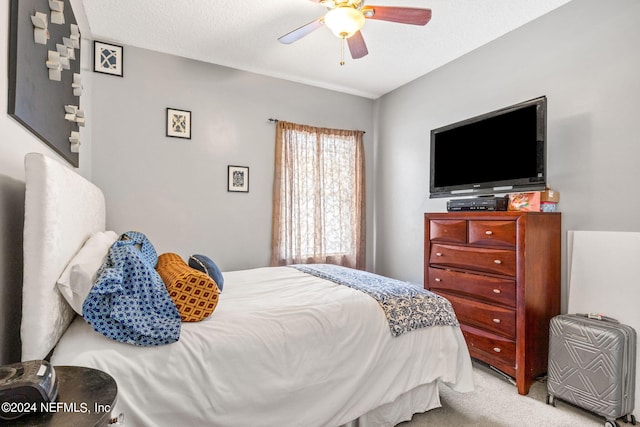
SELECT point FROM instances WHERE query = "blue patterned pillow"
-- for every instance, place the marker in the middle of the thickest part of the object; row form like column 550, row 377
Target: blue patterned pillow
column 129, row 302
column 206, row 265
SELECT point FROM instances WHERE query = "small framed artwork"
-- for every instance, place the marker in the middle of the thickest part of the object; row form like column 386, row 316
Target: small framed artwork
column 178, row 123
column 107, row 58
column 238, row 179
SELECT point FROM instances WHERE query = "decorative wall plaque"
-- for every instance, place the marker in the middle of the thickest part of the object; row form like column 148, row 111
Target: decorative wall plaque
column 41, row 75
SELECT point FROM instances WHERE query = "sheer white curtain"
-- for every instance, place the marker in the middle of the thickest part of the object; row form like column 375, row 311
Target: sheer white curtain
column 318, row 196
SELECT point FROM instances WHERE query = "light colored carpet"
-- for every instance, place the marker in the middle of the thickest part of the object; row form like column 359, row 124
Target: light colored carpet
column 496, row 403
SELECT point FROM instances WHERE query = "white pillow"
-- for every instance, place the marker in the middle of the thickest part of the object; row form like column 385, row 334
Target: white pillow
column 78, row 277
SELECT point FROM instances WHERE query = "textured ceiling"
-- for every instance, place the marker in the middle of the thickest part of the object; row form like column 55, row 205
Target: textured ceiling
column 243, row 34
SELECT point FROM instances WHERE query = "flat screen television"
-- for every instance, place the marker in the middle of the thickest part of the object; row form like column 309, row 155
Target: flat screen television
column 503, row 151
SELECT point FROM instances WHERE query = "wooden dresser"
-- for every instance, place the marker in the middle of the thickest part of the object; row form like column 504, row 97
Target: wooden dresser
column 501, row 272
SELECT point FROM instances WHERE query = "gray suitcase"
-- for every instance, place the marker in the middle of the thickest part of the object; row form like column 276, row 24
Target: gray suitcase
column 592, row 364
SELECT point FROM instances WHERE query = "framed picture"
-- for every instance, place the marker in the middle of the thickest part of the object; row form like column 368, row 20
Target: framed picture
column 238, row 179
column 178, row 123
column 107, row 58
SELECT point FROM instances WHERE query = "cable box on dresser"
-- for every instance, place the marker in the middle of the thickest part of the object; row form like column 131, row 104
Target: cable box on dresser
column 501, row 272
column 479, row 204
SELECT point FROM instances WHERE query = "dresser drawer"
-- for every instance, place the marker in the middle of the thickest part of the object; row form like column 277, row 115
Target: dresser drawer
column 492, row 349
column 493, row 233
column 499, row 261
column 493, row 318
column 491, row 289
column 445, row 230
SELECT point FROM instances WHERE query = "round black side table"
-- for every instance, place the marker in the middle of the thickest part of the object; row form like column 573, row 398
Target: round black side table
column 85, row 398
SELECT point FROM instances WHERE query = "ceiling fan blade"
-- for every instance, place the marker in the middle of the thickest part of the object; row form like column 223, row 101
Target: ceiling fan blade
column 403, row 15
column 299, row 33
column 357, row 46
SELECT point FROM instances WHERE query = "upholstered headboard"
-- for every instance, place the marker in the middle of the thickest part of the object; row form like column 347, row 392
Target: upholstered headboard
column 62, row 210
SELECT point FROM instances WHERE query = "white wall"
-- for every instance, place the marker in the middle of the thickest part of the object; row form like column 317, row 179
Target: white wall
column 585, row 57
column 175, row 190
column 15, row 142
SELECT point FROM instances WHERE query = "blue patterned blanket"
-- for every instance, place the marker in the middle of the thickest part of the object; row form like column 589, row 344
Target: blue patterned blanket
column 407, row 306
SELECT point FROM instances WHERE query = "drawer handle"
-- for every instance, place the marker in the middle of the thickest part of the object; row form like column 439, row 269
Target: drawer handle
column 496, row 320
column 496, row 349
column 488, row 232
column 438, row 253
column 497, row 291
column 438, row 279
column 497, row 261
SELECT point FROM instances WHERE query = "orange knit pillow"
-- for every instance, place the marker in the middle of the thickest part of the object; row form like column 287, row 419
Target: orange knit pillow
column 194, row 293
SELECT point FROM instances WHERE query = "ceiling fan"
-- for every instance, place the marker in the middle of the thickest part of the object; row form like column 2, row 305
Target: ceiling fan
column 345, row 18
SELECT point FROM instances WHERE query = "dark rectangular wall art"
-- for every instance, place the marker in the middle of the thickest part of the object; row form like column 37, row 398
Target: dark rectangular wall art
column 35, row 101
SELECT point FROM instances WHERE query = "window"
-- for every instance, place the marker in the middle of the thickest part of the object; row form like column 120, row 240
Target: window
column 319, row 196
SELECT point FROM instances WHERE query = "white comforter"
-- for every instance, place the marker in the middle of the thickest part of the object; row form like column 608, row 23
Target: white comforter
column 281, row 348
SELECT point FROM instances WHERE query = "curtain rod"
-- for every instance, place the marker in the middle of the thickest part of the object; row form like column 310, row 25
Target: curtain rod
column 276, row 121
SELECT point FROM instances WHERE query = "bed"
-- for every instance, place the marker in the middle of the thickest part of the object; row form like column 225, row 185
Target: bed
column 283, row 347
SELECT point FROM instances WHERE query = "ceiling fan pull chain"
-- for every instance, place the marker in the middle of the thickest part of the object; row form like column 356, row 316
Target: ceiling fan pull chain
column 341, row 50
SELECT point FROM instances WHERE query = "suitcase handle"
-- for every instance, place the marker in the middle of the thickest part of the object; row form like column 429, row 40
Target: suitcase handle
column 597, row 316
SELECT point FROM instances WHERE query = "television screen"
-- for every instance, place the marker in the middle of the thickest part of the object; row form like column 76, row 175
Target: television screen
column 499, row 152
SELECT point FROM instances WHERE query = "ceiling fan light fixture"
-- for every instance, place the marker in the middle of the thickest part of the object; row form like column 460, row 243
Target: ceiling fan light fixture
column 344, row 21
